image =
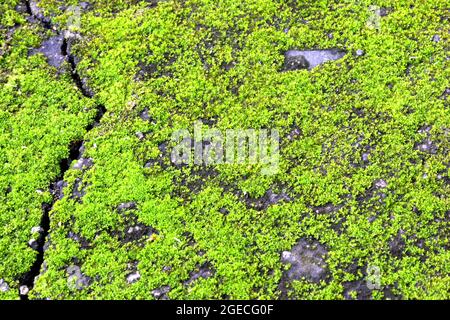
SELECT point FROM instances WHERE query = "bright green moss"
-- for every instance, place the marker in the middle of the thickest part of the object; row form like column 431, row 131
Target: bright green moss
column 221, row 61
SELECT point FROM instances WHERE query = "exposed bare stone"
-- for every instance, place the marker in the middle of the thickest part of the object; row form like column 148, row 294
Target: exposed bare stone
column 140, row 135
column 4, row 287
column 359, row 287
column 37, row 229
column 23, row 290
column 133, row 277
column 144, row 115
column 205, row 271
column 308, row 59
column 51, row 49
column 380, row 184
column 161, row 293
column 77, row 280
column 126, row 206
column 436, row 38
column 328, row 208
column 83, row 163
column 33, row 244
column 427, row 146
column 307, row 260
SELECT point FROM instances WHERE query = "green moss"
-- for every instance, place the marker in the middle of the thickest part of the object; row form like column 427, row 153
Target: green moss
column 200, row 60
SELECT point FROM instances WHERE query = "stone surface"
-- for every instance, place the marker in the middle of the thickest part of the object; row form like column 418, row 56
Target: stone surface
column 306, row 260
column 133, row 277
column 23, row 290
column 83, row 163
column 37, row 229
column 161, row 293
column 51, row 49
column 76, row 279
column 4, row 287
column 308, row 59
column 380, row 184
column 126, row 206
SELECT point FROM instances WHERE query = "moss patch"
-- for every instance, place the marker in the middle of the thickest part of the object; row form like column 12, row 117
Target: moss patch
column 364, row 163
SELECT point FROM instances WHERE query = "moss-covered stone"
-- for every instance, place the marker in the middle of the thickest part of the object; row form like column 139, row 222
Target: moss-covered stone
column 364, row 158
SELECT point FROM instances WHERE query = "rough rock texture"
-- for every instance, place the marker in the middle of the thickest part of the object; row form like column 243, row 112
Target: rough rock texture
column 306, row 260
column 92, row 206
column 308, row 59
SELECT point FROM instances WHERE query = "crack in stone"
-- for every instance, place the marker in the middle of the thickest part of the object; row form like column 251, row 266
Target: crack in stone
column 65, row 50
column 27, row 281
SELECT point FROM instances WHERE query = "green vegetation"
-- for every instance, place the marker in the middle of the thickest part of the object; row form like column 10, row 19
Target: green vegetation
column 364, row 160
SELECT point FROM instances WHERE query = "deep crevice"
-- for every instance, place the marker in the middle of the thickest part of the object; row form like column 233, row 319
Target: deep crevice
column 46, row 23
column 74, row 154
column 28, row 7
column 101, row 110
column 73, row 66
column 28, row 279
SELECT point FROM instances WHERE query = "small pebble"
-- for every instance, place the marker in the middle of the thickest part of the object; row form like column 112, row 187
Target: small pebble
column 4, row 287
column 380, row 184
column 286, row 255
column 144, row 115
column 436, row 38
column 365, row 157
column 126, row 206
column 33, row 244
column 132, row 278
column 37, row 229
column 83, row 163
column 140, row 135
column 23, row 290
column 161, row 292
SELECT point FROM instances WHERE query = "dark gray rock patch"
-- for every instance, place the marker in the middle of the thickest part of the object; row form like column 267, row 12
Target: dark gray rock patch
column 33, row 244
column 326, row 209
column 204, row 271
column 397, row 245
column 268, row 199
column 145, row 71
column 126, row 206
column 308, row 59
column 133, row 273
column 133, row 230
column 52, row 50
column 133, row 277
column 380, row 184
column 357, row 290
column 83, row 164
column 294, row 133
column 57, row 189
column 161, row 293
column 82, row 241
column 307, row 261
column 76, row 279
column 4, row 287
column 144, row 115
column 445, row 94
column 79, row 190
column 427, row 146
